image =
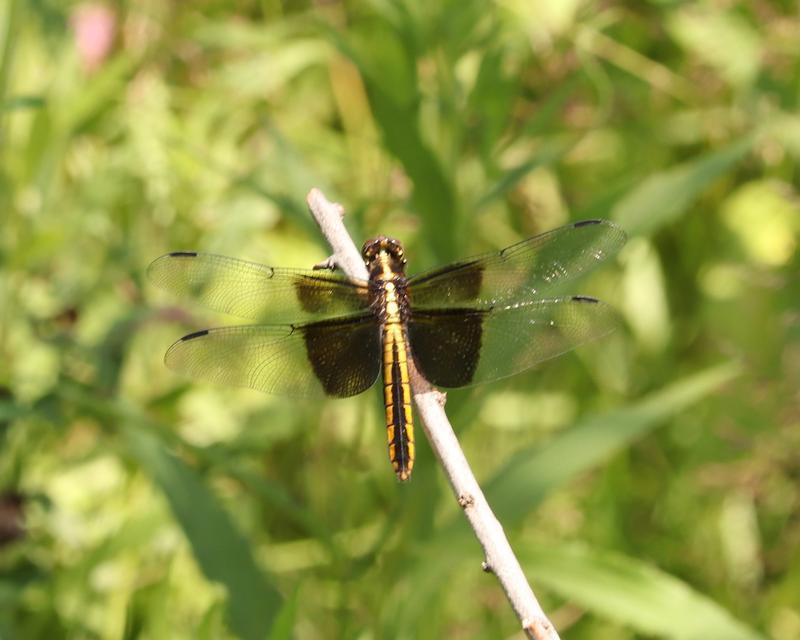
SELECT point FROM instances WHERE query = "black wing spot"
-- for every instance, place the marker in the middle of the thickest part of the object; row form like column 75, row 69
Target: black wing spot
column 585, row 299
column 345, row 354
column 446, row 346
column 586, row 223
column 183, row 254
column 196, row 334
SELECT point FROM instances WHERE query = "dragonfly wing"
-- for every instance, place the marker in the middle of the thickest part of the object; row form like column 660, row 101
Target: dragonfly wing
column 337, row 358
column 457, row 348
column 256, row 291
column 537, row 267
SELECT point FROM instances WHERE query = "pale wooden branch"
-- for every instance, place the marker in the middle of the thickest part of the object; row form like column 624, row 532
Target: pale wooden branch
column 500, row 559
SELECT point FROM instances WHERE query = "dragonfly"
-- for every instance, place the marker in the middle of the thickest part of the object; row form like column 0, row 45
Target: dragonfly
column 321, row 333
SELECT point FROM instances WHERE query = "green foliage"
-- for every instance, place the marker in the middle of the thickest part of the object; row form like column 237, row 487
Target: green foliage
column 220, row 550
column 649, row 483
column 632, row 593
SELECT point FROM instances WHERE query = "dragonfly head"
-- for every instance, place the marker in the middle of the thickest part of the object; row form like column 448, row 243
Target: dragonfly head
column 382, row 251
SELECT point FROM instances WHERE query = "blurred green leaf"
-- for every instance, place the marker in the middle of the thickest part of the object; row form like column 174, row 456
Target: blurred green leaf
column 721, row 38
column 536, row 472
column 547, row 155
column 22, row 102
column 390, row 79
column 96, row 94
column 222, row 552
column 631, row 592
column 9, row 23
column 283, row 628
column 665, row 196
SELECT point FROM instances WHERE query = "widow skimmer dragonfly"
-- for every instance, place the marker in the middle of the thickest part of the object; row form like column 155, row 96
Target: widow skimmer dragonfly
column 323, row 333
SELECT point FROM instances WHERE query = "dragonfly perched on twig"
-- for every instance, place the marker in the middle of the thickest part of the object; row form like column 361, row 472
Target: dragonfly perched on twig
column 323, row 333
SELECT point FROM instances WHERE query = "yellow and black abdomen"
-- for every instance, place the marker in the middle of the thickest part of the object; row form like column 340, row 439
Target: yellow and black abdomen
column 389, row 300
column 397, row 400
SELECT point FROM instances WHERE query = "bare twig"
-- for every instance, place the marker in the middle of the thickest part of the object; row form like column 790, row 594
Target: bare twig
column 500, row 559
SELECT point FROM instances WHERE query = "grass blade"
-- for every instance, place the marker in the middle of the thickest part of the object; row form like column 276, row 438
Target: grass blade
column 665, row 196
column 535, row 472
column 620, row 588
column 222, row 552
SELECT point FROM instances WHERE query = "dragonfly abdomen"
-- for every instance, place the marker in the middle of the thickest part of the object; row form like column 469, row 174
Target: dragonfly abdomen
column 397, row 400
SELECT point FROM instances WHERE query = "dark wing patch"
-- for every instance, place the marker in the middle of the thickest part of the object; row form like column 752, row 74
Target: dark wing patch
column 345, row 356
column 446, row 345
column 338, row 358
column 537, row 267
column 459, row 349
column 256, row 291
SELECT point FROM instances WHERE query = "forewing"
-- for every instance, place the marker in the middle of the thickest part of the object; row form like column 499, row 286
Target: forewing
column 537, row 267
column 337, row 358
column 256, row 291
column 457, row 348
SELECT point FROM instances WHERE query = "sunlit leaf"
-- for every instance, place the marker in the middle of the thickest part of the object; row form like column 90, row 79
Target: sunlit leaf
column 722, row 39
column 663, row 197
column 536, row 472
column 634, row 593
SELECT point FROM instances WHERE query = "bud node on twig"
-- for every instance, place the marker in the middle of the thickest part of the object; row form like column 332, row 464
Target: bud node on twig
column 328, row 264
column 465, row 500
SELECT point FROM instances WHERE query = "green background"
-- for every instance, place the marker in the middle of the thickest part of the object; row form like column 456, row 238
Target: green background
column 650, row 483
